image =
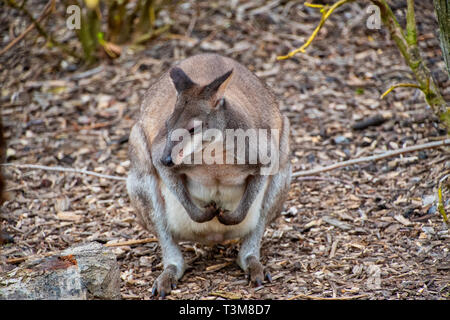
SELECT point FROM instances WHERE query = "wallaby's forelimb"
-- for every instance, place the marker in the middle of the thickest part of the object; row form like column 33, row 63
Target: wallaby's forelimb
column 254, row 185
column 176, row 185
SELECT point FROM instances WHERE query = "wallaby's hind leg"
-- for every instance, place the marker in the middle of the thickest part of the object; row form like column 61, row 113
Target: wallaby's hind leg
column 249, row 254
column 144, row 194
column 144, row 190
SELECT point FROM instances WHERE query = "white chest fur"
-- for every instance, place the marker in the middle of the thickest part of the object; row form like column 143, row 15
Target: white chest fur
column 183, row 227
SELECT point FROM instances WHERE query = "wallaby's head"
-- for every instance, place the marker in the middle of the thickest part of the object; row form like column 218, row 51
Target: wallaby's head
column 197, row 108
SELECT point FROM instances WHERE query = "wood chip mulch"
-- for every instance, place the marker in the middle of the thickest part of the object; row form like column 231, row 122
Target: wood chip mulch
column 369, row 231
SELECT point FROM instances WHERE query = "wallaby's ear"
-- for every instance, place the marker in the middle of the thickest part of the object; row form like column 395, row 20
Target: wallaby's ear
column 217, row 87
column 180, row 79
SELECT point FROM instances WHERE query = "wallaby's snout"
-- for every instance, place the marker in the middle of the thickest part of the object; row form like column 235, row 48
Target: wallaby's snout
column 167, row 161
column 166, row 158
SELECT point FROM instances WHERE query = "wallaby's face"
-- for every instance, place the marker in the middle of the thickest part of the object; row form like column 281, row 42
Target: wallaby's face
column 197, row 109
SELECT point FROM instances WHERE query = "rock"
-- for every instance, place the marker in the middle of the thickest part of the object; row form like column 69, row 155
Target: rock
column 82, row 272
column 99, row 270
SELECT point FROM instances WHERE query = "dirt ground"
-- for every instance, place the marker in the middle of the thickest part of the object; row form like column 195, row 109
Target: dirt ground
column 367, row 231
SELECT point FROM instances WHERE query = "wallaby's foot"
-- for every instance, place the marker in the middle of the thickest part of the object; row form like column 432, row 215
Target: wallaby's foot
column 256, row 272
column 166, row 281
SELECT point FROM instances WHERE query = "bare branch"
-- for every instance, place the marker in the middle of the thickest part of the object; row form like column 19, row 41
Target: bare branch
column 393, row 153
column 131, row 242
column 62, row 169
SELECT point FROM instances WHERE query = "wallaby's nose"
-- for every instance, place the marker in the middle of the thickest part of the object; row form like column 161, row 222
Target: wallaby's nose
column 167, row 161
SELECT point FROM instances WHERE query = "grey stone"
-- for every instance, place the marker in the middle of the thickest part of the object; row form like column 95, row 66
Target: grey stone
column 86, row 271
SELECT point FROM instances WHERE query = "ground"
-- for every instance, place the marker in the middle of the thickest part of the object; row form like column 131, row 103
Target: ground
column 367, row 231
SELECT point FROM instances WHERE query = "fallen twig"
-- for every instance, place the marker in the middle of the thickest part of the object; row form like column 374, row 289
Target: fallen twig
column 131, row 242
column 63, row 169
column 384, row 155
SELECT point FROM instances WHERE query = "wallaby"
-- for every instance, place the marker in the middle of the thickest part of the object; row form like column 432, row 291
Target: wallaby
column 207, row 202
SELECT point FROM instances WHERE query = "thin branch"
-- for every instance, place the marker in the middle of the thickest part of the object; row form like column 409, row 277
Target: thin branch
column 131, row 242
column 45, row 12
column 400, row 85
column 62, row 169
column 325, row 15
column 389, row 154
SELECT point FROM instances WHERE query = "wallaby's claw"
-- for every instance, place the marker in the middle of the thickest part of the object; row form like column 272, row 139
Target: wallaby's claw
column 256, row 272
column 268, row 277
column 164, row 283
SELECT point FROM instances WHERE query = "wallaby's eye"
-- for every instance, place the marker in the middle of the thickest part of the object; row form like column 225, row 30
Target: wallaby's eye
column 193, row 126
column 220, row 103
column 194, row 130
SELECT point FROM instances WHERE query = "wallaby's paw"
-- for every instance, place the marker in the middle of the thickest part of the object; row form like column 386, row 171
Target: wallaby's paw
column 256, row 272
column 165, row 283
column 225, row 217
column 211, row 209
